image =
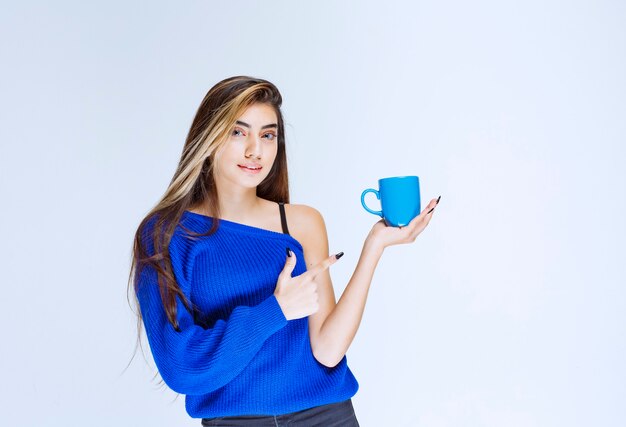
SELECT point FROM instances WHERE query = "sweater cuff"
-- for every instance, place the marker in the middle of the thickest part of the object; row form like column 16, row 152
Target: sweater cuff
column 270, row 314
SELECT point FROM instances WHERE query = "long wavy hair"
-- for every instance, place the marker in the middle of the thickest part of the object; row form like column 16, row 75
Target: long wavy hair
column 193, row 184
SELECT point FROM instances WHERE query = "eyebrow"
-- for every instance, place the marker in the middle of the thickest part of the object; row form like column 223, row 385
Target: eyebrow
column 272, row 125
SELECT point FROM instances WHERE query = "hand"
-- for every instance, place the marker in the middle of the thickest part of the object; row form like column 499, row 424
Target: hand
column 382, row 235
column 297, row 296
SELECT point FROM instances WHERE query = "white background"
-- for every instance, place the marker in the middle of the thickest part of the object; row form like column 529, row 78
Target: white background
column 509, row 309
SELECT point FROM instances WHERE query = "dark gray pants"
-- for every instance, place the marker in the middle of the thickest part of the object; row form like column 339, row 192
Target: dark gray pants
column 333, row 415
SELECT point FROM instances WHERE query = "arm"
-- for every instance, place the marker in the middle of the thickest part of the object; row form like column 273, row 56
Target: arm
column 197, row 360
column 333, row 328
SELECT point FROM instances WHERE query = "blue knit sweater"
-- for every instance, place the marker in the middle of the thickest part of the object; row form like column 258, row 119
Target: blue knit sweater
column 238, row 355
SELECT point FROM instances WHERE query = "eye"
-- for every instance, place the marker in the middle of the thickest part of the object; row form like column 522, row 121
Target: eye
column 234, row 133
column 272, row 136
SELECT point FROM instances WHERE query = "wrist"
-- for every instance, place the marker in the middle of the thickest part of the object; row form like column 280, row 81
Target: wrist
column 373, row 247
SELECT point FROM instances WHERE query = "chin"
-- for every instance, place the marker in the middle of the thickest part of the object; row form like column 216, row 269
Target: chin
column 252, row 183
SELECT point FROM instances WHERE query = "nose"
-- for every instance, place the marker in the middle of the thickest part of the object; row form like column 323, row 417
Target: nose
column 254, row 147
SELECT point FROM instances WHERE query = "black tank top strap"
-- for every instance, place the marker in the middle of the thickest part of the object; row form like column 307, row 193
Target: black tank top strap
column 283, row 217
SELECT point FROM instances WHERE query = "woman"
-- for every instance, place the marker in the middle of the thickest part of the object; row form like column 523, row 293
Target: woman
column 232, row 281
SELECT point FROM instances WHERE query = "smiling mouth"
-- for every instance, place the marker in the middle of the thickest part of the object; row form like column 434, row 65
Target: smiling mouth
column 250, row 169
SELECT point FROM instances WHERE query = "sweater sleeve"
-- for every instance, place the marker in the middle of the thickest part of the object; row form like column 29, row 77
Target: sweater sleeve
column 196, row 360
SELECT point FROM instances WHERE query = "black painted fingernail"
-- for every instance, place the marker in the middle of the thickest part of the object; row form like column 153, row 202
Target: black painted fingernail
column 339, row 255
column 288, row 252
column 430, row 211
column 438, row 199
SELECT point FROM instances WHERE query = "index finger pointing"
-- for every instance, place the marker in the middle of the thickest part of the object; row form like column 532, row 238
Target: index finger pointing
column 323, row 265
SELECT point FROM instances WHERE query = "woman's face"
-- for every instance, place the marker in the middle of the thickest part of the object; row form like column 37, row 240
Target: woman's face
column 248, row 155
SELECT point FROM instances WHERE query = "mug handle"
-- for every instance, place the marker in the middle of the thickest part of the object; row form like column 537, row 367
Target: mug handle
column 371, row 190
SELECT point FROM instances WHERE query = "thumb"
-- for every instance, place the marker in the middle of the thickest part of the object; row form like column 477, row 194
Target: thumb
column 290, row 263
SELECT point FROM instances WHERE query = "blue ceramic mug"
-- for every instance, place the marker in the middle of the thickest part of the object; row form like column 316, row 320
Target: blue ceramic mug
column 399, row 199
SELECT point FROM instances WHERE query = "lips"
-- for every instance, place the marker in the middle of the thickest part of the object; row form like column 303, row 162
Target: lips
column 251, row 166
column 250, row 169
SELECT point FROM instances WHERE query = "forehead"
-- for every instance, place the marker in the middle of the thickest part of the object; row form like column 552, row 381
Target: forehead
column 258, row 115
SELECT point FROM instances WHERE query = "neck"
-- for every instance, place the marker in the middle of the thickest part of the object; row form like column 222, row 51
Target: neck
column 239, row 206
column 236, row 202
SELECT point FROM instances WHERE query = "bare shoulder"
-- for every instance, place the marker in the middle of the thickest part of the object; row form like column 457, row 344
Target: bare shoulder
column 306, row 224
column 302, row 210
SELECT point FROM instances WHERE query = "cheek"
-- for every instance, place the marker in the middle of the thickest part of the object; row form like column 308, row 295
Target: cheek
column 225, row 156
column 273, row 158
column 220, row 162
column 275, row 151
